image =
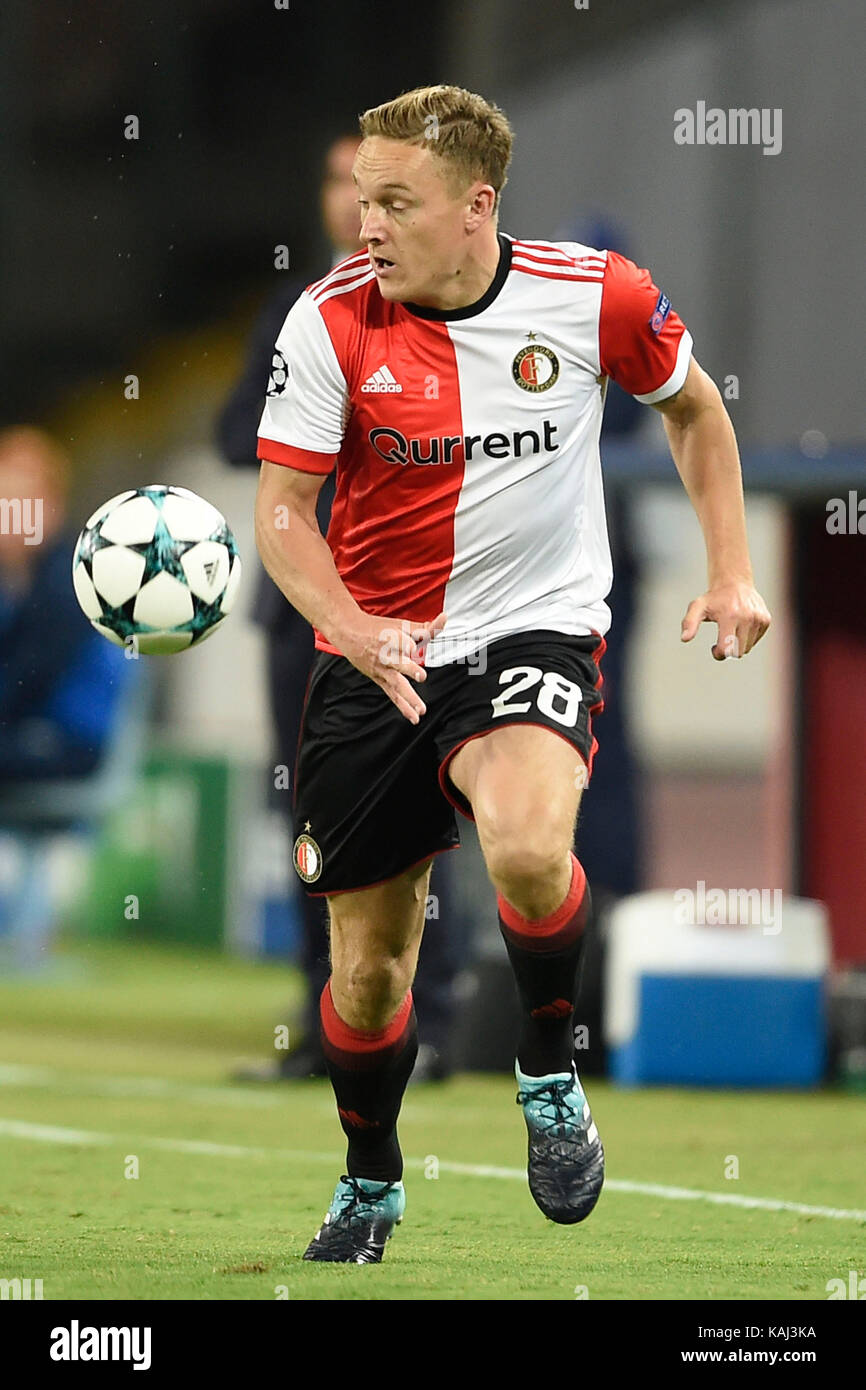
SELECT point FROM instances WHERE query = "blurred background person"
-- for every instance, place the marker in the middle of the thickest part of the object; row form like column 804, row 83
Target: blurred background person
column 289, row 655
column 59, row 680
column 61, row 683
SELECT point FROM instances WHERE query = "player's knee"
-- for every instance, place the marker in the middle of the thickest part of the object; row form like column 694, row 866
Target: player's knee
column 519, row 861
column 370, row 991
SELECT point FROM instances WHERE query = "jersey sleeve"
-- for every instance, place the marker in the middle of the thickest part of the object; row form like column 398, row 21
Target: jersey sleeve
column 644, row 346
column 306, row 402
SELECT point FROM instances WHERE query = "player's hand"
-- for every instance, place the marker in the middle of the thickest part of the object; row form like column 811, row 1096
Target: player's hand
column 390, row 652
column 740, row 612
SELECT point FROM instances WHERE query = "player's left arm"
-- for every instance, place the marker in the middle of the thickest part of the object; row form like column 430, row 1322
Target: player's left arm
column 704, row 449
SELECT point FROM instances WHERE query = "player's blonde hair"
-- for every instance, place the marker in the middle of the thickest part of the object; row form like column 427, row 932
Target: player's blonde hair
column 470, row 134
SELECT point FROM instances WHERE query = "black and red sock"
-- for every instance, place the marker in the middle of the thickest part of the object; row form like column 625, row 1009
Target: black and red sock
column 544, row 955
column 369, row 1072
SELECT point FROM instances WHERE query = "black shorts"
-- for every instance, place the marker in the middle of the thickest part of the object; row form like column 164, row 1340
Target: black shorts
column 372, row 794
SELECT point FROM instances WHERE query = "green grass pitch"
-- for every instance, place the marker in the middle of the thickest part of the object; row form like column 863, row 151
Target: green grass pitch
column 118, row 1063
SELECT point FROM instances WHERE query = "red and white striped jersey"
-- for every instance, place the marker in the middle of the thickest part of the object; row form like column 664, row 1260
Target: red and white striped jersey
column 466, row 440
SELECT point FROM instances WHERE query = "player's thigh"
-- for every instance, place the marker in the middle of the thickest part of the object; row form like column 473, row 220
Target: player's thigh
column 374, row 929
column 517, row 744
column 524, row 785
column 367, row 801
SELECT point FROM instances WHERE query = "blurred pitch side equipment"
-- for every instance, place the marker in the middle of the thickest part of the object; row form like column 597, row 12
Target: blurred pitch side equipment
column 717, row 1005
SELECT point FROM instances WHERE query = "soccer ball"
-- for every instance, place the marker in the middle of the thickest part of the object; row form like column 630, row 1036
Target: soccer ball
column 156, row 569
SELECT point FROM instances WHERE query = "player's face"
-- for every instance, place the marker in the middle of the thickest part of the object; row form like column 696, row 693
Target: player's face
column 412, row 223
column 340, row 216
column 27, row 472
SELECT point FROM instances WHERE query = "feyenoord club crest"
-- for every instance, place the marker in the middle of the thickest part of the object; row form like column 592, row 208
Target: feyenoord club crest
column 535, row 368
column 308, row 858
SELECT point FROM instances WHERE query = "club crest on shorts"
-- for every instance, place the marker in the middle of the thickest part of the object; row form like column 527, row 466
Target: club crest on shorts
column 307, row 858
column 535, row 368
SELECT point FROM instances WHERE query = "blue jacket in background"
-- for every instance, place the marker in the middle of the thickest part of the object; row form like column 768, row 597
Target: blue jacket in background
column 60, row 680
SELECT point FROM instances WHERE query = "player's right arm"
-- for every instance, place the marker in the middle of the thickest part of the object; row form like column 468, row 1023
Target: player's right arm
column 299, row 560
column 300, row 436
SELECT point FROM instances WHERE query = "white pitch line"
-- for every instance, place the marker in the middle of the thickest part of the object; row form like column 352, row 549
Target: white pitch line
column 733, row 1199
column 53, row 1134
column 13, row 1074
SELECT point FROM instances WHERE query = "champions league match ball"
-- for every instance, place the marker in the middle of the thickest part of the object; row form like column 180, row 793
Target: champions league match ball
column 156, row 569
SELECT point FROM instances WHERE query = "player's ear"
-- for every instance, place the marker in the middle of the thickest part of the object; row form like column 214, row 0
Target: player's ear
column 480, row 204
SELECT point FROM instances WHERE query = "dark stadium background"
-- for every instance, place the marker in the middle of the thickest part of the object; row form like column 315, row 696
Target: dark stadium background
column 107, row 242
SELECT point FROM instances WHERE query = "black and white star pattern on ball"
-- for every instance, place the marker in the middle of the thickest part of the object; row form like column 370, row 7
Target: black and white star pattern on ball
column 159, row 565
column 91, row 541
column 279, row 377
column 162, row 554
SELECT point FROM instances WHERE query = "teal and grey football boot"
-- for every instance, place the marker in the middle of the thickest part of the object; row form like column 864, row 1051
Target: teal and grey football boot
column 359, row 1221
column 566, row 1158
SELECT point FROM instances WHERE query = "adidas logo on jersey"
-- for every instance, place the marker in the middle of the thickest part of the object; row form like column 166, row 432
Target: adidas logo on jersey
column 382, row 381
